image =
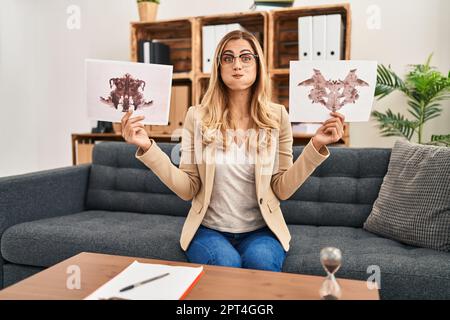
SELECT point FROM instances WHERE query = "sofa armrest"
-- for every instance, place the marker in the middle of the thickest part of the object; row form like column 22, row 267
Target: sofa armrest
column 42, row 194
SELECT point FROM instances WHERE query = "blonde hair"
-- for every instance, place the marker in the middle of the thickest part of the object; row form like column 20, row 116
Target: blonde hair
column 217, row 118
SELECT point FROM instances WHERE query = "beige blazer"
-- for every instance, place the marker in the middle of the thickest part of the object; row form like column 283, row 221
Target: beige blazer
column 277, row 177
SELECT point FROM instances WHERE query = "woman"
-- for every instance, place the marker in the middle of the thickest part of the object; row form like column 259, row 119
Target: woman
column 235, row 218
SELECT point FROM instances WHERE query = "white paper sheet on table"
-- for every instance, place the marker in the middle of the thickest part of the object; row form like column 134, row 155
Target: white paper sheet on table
column 171, row 287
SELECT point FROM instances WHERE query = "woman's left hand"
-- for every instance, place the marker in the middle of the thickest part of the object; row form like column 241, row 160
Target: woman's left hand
column 331, row 130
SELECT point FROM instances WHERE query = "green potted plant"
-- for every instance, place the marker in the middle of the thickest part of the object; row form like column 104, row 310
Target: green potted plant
column 147, row 10
column 425, row 88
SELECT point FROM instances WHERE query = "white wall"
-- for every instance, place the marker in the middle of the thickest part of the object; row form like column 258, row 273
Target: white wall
column 41, row 64
column 42, row 74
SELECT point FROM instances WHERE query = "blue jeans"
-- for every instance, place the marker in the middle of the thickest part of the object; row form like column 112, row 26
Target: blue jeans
column 259, row 249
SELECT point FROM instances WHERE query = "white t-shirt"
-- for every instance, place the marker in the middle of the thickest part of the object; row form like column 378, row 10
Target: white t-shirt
column 233, row 206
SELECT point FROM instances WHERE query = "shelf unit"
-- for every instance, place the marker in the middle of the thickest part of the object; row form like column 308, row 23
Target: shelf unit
column 277, row 32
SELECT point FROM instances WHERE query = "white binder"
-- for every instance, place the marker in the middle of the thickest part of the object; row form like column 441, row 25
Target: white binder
column 146, row 48
column 305, row 36
column 208, row 41
column 319, row 37
column 234, row 26
column 335, row 37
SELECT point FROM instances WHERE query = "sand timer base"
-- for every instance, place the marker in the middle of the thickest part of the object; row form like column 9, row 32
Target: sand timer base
column 330, row 289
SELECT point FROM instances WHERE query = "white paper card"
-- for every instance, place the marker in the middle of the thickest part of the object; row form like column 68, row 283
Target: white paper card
column 171, row 287
column 306, row 128
column 112, row 87
column 316, row 88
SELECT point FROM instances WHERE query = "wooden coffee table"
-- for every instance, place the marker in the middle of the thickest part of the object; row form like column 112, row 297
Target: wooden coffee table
column 218, row 283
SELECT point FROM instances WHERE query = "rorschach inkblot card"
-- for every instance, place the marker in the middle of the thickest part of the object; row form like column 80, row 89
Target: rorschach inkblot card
column 317, row 88
column 114, row 87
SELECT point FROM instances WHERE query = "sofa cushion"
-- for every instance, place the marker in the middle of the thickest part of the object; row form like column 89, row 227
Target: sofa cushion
column 157, row 236
column 119, row 182
column 414, row 201
column 341, row 191
column 43, row 243
column 406, row 272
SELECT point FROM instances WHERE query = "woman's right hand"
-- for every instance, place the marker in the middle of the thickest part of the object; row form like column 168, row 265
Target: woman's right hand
column 134, row 132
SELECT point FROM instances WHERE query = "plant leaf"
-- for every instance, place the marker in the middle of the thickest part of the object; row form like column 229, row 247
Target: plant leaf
column 395, row 125
column 387, row 82
column 440, row 140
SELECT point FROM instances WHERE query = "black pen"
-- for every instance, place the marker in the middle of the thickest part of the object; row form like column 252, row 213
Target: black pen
column 143, row 282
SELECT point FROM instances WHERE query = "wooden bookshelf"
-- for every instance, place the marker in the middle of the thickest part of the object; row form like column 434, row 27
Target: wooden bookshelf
column 277, row 32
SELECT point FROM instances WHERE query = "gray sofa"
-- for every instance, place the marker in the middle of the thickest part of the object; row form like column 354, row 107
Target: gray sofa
column 118, row 206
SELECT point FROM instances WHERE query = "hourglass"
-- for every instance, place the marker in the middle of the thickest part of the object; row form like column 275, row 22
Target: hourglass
column 330, row 258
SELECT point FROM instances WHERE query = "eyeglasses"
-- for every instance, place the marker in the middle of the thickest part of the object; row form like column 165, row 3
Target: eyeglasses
column 247, row 59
